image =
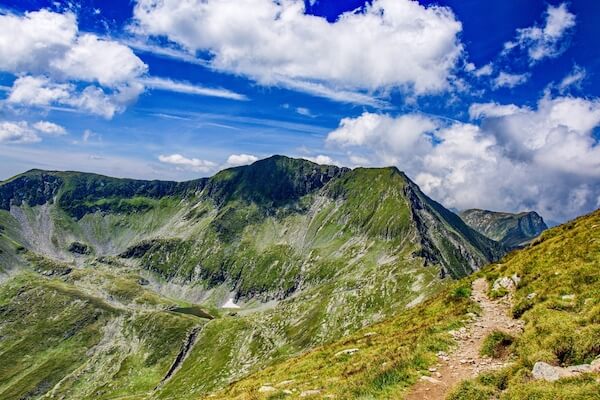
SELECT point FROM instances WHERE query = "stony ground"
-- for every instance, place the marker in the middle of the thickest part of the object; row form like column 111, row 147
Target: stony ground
column 465, row 362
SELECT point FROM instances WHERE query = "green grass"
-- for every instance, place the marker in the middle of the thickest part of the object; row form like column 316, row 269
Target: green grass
column 496, row 344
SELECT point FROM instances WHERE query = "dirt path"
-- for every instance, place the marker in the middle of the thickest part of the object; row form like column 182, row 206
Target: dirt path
column 465, row 362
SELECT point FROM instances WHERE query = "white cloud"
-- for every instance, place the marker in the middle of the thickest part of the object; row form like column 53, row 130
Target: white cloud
column 487, row 110
column 41, row 91
column 391, row 139
column 322, row 160
column 32, row 41
column 50, row 128
column 336, row 94
column 236, row 160
column 17, row 133
column 547, row 41
column 48, row 54
column 188, row 88
column 573, row 79
column 22, row 132
column 304, row 111
column 193, row 164
column 45, row 42
column 486, row 70
column 389, row 44
column 517, row 158
column 504, row 79
column 92, row 59
column 87, row 135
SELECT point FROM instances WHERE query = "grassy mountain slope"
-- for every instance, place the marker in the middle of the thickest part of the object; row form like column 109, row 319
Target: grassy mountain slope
column 512, row 230
column 562, row 327
column 311, row 253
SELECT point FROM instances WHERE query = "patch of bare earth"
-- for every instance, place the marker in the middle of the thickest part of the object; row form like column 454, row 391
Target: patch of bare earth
column 465, row 362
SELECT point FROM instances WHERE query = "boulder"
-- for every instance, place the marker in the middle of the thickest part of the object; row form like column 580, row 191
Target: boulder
column 547, row 372
column 504, row 283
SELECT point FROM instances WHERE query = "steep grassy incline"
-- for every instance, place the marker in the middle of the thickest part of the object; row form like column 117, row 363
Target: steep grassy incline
column 558, row 298
column 512, row 230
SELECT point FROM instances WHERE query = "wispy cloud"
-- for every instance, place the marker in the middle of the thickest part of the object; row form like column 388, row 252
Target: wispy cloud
column 190, row 88
column 505, row 79
column 342, row 96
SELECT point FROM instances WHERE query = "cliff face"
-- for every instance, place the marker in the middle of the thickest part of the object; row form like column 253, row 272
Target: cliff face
column 512, row 230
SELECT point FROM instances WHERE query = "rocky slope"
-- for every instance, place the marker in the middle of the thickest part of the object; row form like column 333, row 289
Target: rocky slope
column 310, row 253
column 512, row 230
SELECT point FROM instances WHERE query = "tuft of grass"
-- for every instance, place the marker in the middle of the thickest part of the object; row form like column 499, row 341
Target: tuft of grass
column 496, row 344
column 461, row 292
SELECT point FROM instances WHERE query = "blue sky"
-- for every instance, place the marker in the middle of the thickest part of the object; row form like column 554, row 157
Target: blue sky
column 483, row 104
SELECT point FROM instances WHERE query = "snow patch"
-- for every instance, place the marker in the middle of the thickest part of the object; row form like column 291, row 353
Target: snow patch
column 230, row 304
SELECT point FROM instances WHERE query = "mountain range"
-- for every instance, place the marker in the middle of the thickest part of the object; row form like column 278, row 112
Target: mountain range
column 121, row 288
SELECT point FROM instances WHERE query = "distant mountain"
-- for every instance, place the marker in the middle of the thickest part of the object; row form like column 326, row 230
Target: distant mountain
column 139, row 268
column 512, row 230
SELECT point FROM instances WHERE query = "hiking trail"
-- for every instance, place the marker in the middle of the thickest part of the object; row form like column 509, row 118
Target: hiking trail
column 464, row 361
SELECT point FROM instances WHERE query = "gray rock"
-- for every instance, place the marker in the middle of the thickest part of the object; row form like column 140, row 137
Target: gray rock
column 547, row 372
column 504, row 283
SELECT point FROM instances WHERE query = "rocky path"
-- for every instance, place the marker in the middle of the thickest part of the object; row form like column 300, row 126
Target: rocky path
column 465, row 362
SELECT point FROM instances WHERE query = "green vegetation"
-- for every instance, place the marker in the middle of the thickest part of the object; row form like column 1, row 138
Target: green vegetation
column 337, row 273
column 496, row 344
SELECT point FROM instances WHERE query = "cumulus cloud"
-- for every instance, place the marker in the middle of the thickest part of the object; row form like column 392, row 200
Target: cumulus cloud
column 192, row 164
column 505, row 79
column 547, row 40
column 22, row 132
column 92, row 59
column 42, row 91
column 49, row 55
column 236, row 160
column 512, row 158
column 277, row 43
column 17, row 132
column 392, row 139
column 47, row 52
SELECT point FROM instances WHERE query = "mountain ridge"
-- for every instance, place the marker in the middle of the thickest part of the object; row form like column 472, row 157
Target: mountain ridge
column 511, row 229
